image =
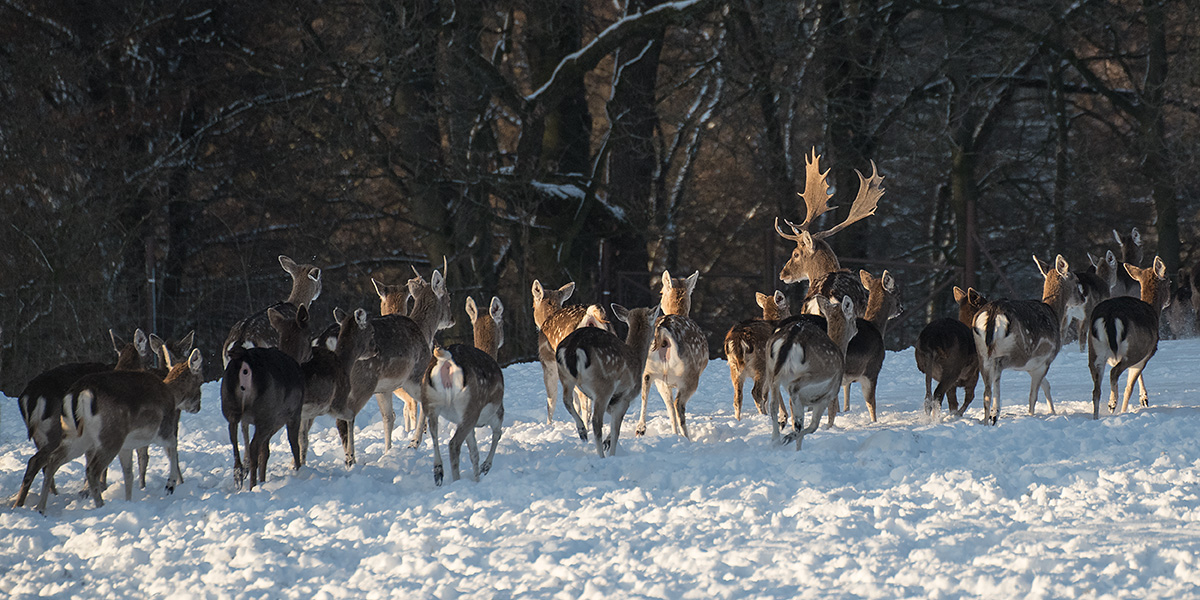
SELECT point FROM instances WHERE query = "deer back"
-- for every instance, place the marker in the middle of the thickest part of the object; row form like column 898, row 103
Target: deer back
column 837, row 284
column 431, row 309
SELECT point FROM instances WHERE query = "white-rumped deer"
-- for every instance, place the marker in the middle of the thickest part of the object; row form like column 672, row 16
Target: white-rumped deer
column 678, row 355
column 745, row 344
column 1025, row 335
column 807, row 356
column 946, row 352
column 255, row 331
column 606, row 370
column 109, row 414
column 464, row 385
column 813, row 259
column 866, row 351
column 554, row 322
column 1124, row 334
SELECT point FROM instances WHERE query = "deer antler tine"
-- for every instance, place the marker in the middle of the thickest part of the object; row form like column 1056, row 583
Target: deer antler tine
column 816, row 189
column 870, row 190
column 795, row 237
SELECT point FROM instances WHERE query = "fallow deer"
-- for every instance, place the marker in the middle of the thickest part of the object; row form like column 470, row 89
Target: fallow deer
column 808, row 361
column 1095, row 290
column 327, row 373
column 678, row 355
column 865, row 352
column 1179, row 318
column 160, row 350
column 1025, row 335
column 255, row 331
column 946, row 352
column 393, row 299
column 606, row 370
column 1124, row 334
column 744, row 350
column 677, row 294
column 466, row 386
column 813, row 259
column 488, row 328
column 554, row 322
column 108, row 414
column 40, row 402
column 1130, row 253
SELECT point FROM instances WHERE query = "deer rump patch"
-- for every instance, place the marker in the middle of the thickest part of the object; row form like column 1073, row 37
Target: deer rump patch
column 448, row 389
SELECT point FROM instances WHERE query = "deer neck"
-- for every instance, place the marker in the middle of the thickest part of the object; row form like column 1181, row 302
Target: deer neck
column 304, row 291
column 641, row 334
column 1152, row 294
column 879, row 309
column 676, row 302
column 1054, row 296
column 839, row 330
column 427, row 314
column 487, row 336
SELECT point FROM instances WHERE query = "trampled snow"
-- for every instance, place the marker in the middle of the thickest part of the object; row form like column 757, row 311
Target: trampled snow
column 1043, row 506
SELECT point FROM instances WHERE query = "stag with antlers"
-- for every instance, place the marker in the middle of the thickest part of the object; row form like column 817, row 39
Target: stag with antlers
column 813, row 259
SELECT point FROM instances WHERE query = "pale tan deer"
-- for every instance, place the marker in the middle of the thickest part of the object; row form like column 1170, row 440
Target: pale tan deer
column 106, row 415
column 1124, row 334
column 554, row 322
column 866, row 351
column 677, row 294
column 1025, row 335
column 606, row 370
column 745, row 345
column 806, row 356
column 678, row 355
column 813, row 259
column 488, row 328
column 255, row 331
column 946, row 352
column 464, row 385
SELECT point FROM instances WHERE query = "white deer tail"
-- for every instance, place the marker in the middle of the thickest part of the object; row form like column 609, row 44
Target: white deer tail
column 77, row 411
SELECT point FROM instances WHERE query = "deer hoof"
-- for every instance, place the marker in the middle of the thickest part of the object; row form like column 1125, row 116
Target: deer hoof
column 607, row 444
column 640, row 431
column 1146, row 401
column 483, row 469
column 438, row 475
column 583, row 433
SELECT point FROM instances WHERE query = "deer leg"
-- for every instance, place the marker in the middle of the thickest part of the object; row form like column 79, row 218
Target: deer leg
column 583, row 403
column 1134, row 376
column 617, row 409
column 868, row 390
column 497, row 430
column 845, row 402
column 1114, row 375
column 944, row 389
column 252, row 458
column 388, row 413
column 40, row 461
column 759, row 393
column 305, row 428
column 246, row 434
column 239, row 471
column 126, row 458
column 992, row 385
column 143, row 455
column 681, row 400
column 550, row 379
column 1083, row 335
column 1096, row 366
column 293, row 434
column 568, row 394
column 816, row 418
column 473, row 452
column 96, row 465
column 774, row 400
column 419, row 434
column 175, row 476
column 598, row 424
column 641, row 426
column 929, row 397
column 431, row 423
column 346, row 431
column 738, row 377
column 664, row 390
column 1045, row 385
column 1143, row 397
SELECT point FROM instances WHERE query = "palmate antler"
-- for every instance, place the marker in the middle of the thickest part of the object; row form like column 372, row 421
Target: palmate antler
column 816, row 199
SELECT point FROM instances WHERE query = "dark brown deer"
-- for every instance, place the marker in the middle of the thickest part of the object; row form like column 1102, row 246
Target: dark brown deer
column 255, row 331
column 1179, row 317
column 108, row 414
column 464, row 385
column 554, row 322
column 1129, row 248
column 677, row 357
column 606, row 370
column 946, row 352
column 1095, row 290
column 813, row 259
column 1124, row 334
column 745, row 345
column 1025, row 335
column 866, row 351
column 808, row 360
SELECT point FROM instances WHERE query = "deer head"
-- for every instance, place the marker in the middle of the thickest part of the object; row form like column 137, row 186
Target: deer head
column 969, row 302
column 488, row 328
column 1131, row 246
column 393, row 299
column 677, row 293
column 547, row 302
column 1156, row 288
column 1061, row 289
column 306, row 281
column 775, row 307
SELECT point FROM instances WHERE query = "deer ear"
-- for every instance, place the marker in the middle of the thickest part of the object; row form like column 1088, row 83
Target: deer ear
column 1110, row 258
column 889, row 282
column 472, row 312
column 1137, row 237
column 1061, row 265
column 288, row 264
column 691, row 281
column 195, row 361
column 959, row 294
column 666, row 280
column 141, row 342
column 185, row 344
column 360, row 317
column 538, row 291
column 302, row 315
column 339, row 315
column 975, row 297
column 116, row 341
column 847, row 307
column 1117, row 236
column 1160, row 268
column 438, row 283
column 865, row 278
column 1042, row 267
column 315, row 274
column 1133, row 271
column 621, row 312
column 1092, row 259
column 567, row 290
column 761, row 299
column 806, row 242
column 780, row 299
column 496, row 309
column 155, row 343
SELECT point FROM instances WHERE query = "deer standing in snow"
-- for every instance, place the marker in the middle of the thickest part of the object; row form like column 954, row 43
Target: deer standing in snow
column 866, row 351
column 1124, row 334
column 255, row 331
column 807, row 356
column 744, row 350
column 109, row 414
column 554, row 322
column 678, row 355
column 607, row 370
column 946, row 352
column 1025, row 335
column 488, row 327
column 813, row 259
column 464, row 385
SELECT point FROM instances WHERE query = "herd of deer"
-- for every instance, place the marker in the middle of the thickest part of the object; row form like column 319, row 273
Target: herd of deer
column 276, row 374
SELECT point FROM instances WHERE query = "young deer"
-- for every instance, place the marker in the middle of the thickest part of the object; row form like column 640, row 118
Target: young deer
column 1179, row 318
column 554, row 322
column 606, row 370
column 744, row 350
column 40, row 402
column 326, row 372
column 488, row 328
column 108, row 414
column 1024, row 335
column 808, row 360
column 946, row 352
column 865, row 352
column 678, row 355
column 1124, row 334
column 466, row 386
column 255, row 331
column 813, row 259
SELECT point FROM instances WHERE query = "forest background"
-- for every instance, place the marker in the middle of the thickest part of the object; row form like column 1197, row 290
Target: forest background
column 157, row 156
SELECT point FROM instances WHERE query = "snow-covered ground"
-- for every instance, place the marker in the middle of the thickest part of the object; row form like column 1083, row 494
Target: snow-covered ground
column 1043, row 506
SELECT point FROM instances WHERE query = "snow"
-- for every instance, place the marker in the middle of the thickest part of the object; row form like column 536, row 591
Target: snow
column 1043, row 506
